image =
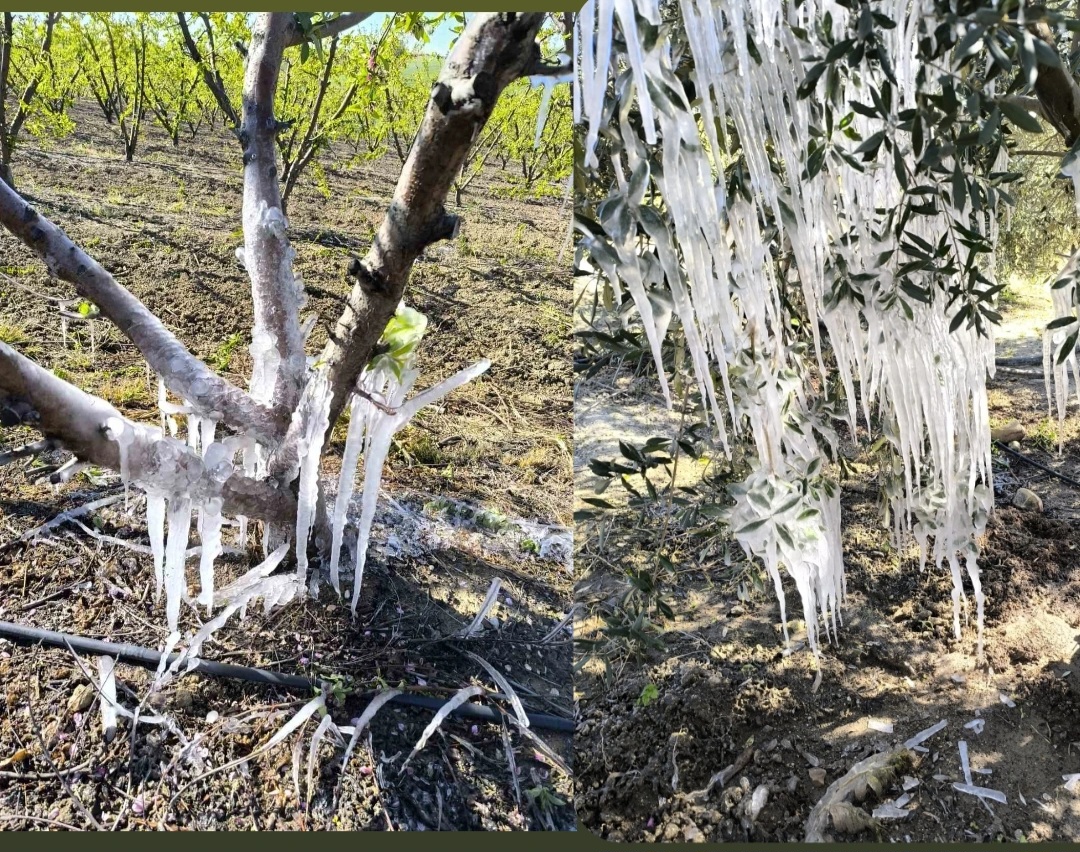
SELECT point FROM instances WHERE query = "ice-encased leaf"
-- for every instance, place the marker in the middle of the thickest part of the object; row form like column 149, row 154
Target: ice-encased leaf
column 459, row 698
column 373, row 707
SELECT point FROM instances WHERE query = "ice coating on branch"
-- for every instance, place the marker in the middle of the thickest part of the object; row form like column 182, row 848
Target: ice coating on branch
column 265, row 360
column 927, row 385
column 316, row 405
column 274, row 221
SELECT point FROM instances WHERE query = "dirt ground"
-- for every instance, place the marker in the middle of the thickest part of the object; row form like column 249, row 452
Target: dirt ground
column 722, row 696
column 458, row 481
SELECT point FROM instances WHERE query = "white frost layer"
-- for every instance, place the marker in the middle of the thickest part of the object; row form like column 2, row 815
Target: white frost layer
column 928, row 384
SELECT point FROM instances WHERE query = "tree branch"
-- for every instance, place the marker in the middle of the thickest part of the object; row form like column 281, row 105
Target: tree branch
column 211, row 76
column 77, row 419
column 268, row 255
column 1056, row 90
column 31, row 87
column 494, row 50
column 184, row 374
column 326, row 29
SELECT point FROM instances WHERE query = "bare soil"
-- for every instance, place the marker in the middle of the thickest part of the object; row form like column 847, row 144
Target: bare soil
column 167, row 226
column 721, row 694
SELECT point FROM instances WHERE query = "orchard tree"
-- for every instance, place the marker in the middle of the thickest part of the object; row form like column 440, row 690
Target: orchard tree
column 280, row 424
column 173, row 82
column 808, row 192
column 115, row 69
column 25, row 56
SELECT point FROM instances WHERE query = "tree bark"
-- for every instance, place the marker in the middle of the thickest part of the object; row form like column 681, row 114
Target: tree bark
column 494, row 50
column 76, row 420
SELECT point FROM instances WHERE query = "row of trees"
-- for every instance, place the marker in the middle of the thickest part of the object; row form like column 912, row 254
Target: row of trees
column 364, row 90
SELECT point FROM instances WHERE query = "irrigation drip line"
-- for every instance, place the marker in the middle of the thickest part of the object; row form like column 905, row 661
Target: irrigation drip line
column 137, row 655
column 1034, row 463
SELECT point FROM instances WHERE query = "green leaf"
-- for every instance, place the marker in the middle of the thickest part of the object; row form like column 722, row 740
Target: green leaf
column 809, row 83
column 1020, row 116
column 1067, row 348
column 750, row 527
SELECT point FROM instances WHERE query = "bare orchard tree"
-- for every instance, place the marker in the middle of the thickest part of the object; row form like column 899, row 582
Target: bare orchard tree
column 289, row 408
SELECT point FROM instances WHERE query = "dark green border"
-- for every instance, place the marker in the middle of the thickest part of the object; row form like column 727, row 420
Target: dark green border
column 394, row 6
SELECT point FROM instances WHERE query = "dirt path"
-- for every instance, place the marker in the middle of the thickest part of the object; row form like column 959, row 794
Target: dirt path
column 458, row 481
column 721, row 693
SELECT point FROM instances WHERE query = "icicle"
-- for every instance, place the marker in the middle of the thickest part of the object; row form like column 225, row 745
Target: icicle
column 155, row 523
column 354, row 443
column 380, row 430
column 210, row 536
column 927, row 382
column 548, row 82
column 175, row 546
column 316, row 402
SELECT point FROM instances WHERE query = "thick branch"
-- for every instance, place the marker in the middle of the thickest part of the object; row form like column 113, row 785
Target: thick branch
column 76, row 420
column 268, row 255
column 494, row 50
column 333, row 27
column 184, row 374
column 1057, row 91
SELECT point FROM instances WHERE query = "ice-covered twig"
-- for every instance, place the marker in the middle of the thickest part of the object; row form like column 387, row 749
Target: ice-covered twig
column 459, row 698
column 981, row 792
column 106, row 667
column 925, row 734
column 504, row 685
column 485, row 608
column 360, row 724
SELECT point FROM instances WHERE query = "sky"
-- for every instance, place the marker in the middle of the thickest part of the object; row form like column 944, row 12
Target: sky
column 441, row 39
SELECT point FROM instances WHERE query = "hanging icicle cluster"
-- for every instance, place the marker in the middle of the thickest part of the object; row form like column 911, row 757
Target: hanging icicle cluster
column 732, row 189
column 180, row 479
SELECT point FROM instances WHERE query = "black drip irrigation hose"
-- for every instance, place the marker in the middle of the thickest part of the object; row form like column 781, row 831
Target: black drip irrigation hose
column 148, row 658
column 1034, row 463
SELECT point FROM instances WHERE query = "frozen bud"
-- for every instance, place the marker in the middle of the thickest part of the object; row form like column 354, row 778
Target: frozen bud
column 116, row 430
column 275, row 222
